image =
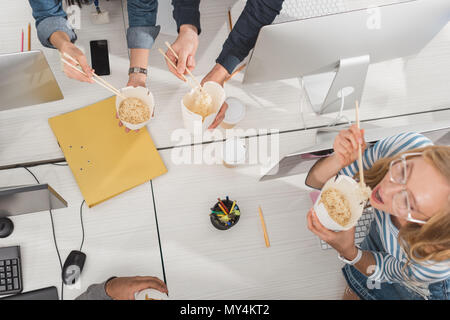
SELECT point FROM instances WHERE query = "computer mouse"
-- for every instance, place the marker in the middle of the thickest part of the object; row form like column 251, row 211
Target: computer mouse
column 73, row 266
column 6, row 227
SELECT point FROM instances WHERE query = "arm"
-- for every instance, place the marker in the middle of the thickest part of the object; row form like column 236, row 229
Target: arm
column 96, row 292
column 345, row 153
column 141, row 35
column 256, row 14
column 123, row 288
column 50, row 17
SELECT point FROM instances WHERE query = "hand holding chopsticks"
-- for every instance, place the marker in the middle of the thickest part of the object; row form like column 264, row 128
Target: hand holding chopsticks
column 97, row 79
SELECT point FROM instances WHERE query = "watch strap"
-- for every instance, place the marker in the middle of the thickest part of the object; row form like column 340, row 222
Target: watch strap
column 137, row 70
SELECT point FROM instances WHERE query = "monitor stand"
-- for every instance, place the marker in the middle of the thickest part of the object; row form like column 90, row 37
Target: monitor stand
column 337, row 91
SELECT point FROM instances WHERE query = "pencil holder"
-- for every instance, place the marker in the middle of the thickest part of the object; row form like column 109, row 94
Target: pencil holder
column 223, row 221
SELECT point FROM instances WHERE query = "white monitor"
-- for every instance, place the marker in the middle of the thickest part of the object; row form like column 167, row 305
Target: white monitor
column 332, row 52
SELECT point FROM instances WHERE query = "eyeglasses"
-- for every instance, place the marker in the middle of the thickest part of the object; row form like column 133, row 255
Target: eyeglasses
column 399, row 171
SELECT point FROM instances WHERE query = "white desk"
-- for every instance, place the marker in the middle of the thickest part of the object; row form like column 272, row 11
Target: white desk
column 120, row 240
column 392, row 88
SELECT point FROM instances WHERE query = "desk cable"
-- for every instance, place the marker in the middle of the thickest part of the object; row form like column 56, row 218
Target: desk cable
column 54, row 234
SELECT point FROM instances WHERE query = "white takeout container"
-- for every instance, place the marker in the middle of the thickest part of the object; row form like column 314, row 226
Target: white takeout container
column 350, row 189
column 150, row 294
column 141, row 93
column 192, row 120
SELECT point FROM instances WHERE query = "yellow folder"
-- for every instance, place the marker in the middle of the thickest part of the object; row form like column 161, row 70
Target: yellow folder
column 104, row 159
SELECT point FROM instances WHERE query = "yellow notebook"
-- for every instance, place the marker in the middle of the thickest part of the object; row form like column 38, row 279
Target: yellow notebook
column 104, row 159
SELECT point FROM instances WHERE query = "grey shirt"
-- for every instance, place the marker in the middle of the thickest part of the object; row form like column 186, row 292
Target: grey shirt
column 95, row 292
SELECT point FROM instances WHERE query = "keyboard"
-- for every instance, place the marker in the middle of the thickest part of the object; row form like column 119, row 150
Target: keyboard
column 10, row 271
column 301, row 9
column 362, row 228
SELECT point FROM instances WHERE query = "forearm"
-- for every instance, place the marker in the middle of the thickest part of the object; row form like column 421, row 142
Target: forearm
column 96, row 292
column 58, row 39
column 322, row 171
column 366, row 265
column 186, row 12
column 256, row 14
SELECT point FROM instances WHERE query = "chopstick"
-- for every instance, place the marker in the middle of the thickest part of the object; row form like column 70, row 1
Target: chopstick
column 103, row 83
column 360, row 164
column 187, row 69
column 266, row 237
column 115, row 91
column 235, row 72
column 173, row 65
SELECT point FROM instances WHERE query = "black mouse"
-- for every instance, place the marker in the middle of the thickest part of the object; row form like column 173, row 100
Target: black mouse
column 6, row 227
column 73, row 267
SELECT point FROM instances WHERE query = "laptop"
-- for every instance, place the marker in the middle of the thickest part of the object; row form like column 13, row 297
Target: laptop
column 26, row 79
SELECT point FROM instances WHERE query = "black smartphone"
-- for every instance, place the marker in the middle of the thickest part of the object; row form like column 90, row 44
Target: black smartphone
column 99, row 57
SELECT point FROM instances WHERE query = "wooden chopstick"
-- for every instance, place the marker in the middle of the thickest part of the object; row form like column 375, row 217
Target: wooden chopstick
column 235, row 72
column 106, row 83
column 360, row 164
column 266, row 237
column 187, row 69
column 115, row 91
column 173, row 65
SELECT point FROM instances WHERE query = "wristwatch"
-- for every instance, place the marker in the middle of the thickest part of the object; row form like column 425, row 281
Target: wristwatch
column 137, row 70
column 354, row 261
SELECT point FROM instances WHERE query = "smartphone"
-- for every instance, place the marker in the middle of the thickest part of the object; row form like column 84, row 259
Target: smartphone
column 100, row 57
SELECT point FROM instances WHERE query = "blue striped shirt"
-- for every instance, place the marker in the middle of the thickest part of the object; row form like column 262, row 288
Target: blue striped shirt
column 389, row 264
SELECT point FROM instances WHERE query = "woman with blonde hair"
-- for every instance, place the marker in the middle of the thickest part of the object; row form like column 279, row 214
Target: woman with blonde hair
column 406, row 253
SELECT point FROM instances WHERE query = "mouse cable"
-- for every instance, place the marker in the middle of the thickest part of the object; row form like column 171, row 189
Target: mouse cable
column 54, row 234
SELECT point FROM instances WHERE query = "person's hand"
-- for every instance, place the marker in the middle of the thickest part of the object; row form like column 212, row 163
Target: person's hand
column 69, row 48
column 346, row 145
column 121, row 125
column 185, row 47
column 124, row 288
column 137, row 80
column 220, row 75
column 342, row 241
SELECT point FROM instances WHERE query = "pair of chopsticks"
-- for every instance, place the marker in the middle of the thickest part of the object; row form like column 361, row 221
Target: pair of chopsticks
column 97, row 79
column 360, row 164
column 187, row 69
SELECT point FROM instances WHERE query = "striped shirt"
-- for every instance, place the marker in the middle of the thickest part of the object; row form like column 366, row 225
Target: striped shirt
column 389, row 264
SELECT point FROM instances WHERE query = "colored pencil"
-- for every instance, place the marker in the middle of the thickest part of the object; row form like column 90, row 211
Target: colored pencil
column 29, row 36
column 223, row 209
column 232, row 207
column 224, row 206
column 266, row 237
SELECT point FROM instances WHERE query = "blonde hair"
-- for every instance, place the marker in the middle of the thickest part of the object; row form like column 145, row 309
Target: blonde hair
column 431, row 241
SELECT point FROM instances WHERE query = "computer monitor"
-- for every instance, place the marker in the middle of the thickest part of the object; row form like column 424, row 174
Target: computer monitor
column 332, row 52
column 18, row 200
column 26, row 79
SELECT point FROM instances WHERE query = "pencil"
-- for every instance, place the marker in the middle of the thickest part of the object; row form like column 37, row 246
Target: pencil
column 222, row 208
column 232, row 207
column 266, row 237
column 21, row 46
column 29, row 36
column 222, row 204
column 229, row 20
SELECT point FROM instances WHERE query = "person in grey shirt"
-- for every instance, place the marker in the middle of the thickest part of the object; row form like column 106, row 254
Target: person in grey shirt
column 123, row 288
